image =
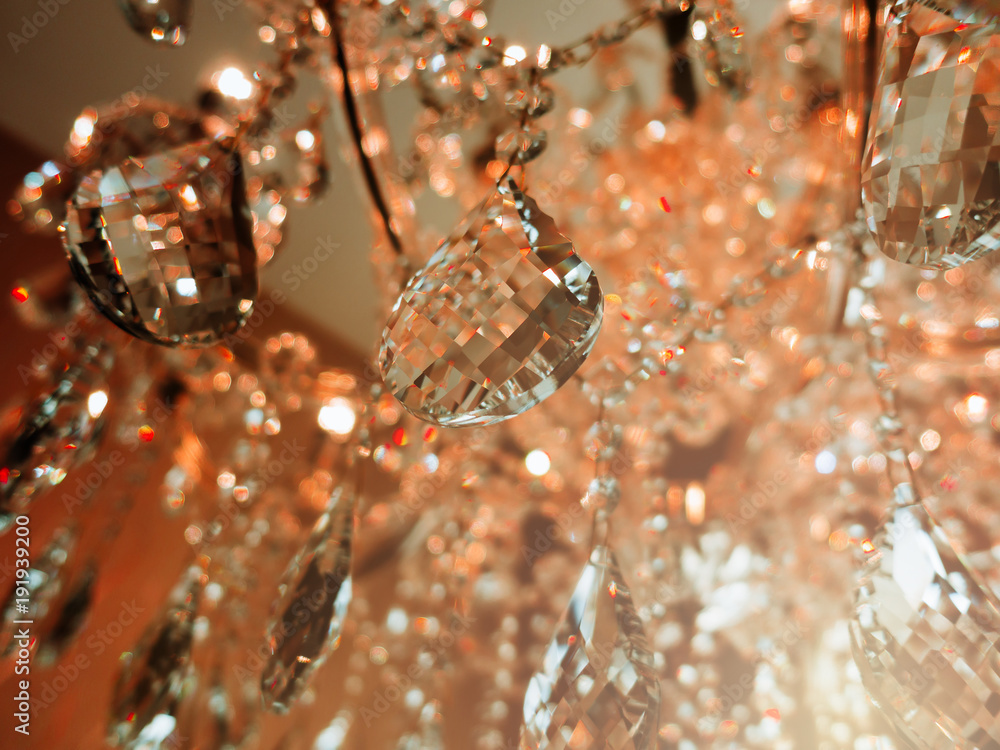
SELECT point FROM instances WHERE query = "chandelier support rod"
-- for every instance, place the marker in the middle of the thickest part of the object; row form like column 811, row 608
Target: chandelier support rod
column 354, row 121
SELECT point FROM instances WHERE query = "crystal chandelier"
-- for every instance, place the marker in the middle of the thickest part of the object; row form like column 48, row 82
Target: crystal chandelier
column 681, row 436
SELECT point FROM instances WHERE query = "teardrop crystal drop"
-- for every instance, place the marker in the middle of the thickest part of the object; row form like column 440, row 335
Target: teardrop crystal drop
column 41, row 587
column 312, row 605
column 163, row 244
column 219, row 713
column 931, row 173
column 164, row 21
column 500, row 317
column 61, row 431
column 69, row 618
column 597, row 687
column 153, row 675
column 926, row 637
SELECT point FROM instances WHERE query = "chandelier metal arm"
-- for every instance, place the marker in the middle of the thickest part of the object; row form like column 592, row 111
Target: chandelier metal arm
column 356, row 127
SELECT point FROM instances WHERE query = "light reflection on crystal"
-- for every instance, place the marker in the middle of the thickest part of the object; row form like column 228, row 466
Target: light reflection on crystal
column 69, row 618
column 500, row 317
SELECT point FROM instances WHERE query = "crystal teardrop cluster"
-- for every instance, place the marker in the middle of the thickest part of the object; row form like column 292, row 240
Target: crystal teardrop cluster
column 931, row 173
column 312, row 605
column 926, row 637
column 163, row 244
column 502, row 315
column 597, row 687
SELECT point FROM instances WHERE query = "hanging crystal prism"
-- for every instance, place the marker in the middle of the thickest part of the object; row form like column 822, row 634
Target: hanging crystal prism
column 69, row 618
column 926, row 637
column 41, row 587
column 163, row 244
column 164, row 21
column 931, row 172
column 500, row 317
column 312, row 603
column 154, row 674
column 61, row 431
column 597, row 687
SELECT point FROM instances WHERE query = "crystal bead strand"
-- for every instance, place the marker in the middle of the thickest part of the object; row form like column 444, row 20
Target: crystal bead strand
column 889, row 428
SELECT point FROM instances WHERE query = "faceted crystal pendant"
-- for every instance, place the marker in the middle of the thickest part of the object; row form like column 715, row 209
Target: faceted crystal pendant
column 597, row 687
column 40, row 200
column 312, row 604
column 154, row 674
column 164, row 244
column 500, row 317
column 59, row 432
column 931, row 174
column 926, row 637
column 164, row 21
column 41, row 588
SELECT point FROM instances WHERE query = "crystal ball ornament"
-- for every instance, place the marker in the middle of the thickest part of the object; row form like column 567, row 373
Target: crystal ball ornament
column 163, row 244
column 931, row 172
column 501, row 316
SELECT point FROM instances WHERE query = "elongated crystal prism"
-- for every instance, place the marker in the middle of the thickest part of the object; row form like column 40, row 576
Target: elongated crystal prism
column 502, row 315
column 59, row 432
column 597, row 687
column 931, row 174
column 163, row 244
column 154, row 673
column 43, row 584
column 926, row 637
column 312, row 604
